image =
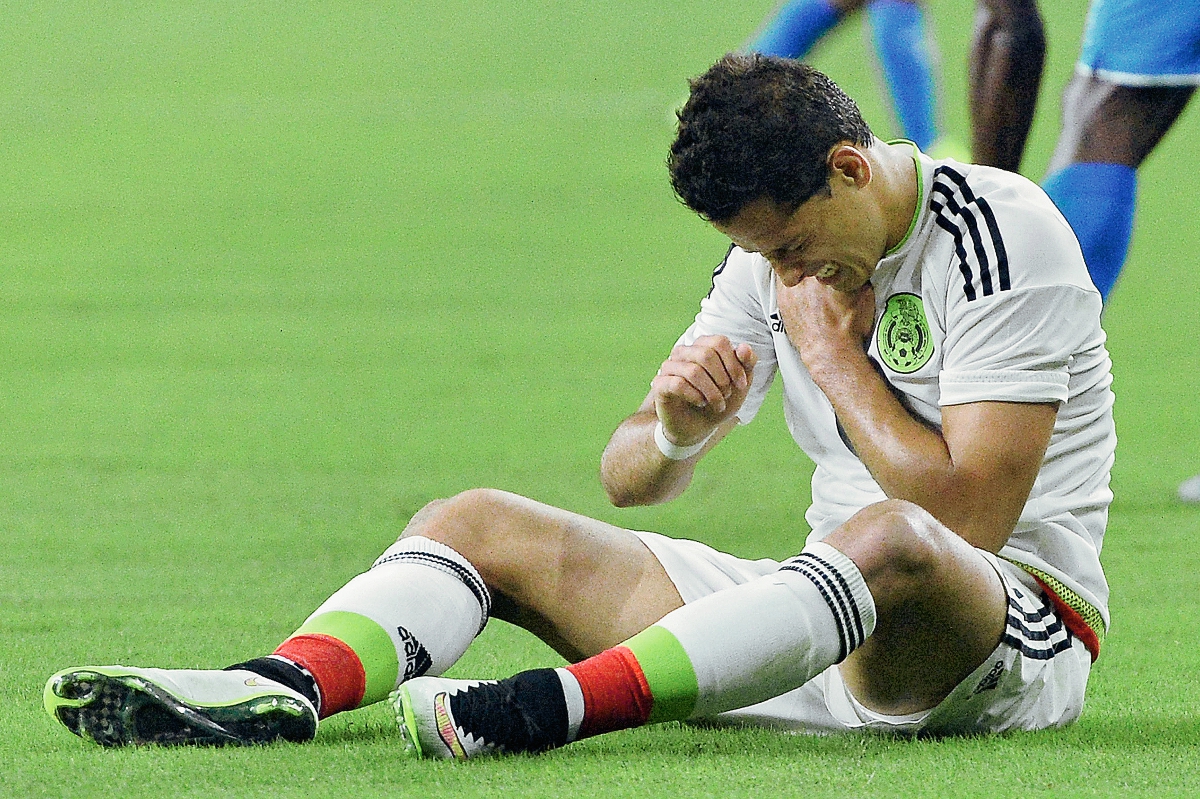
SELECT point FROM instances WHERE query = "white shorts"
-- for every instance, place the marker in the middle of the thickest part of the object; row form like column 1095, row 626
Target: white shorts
column 1035, row 678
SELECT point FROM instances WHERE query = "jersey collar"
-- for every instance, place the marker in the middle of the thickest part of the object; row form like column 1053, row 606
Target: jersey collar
column 912, row 223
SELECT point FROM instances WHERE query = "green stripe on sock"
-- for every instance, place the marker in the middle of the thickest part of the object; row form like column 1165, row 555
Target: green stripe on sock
column 369, row 641
column 668, row 671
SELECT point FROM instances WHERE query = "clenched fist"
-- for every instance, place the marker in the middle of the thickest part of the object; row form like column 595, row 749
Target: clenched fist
column 700, row 386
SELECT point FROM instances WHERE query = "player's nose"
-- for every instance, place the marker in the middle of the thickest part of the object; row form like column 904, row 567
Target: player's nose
column 789, row 274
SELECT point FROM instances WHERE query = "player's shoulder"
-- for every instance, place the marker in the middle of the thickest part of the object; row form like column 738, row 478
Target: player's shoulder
column 1006, row 232
column 741, row 270
column 958, row 185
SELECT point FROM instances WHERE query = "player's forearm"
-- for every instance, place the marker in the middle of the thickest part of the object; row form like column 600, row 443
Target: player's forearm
column 909, row 459
column 634, row 471
column 1007, row 54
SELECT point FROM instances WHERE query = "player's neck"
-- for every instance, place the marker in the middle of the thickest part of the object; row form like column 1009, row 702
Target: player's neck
column 896, row 170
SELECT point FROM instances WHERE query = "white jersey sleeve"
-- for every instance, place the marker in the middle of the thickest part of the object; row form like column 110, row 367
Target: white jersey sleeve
column 734, row 308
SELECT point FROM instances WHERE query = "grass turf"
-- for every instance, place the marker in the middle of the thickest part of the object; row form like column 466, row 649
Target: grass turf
column 275, row 275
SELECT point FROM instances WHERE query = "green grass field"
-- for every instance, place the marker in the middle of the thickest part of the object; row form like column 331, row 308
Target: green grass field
column 274, row 275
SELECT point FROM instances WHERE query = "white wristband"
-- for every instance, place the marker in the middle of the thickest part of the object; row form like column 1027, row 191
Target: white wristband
column 674, row 451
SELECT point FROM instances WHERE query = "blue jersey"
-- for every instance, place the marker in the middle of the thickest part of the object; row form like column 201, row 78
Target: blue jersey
column 1143, row 43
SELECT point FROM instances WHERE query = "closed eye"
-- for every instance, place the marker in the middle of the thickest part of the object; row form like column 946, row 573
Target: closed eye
column 783, row 252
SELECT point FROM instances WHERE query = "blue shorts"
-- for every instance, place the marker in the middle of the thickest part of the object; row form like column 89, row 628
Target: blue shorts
column 1142, row 43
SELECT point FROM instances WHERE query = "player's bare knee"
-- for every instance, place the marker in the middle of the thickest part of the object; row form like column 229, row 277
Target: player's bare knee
column 497, row 533
column 896, row 544
column 468, row 522
column 416, row 524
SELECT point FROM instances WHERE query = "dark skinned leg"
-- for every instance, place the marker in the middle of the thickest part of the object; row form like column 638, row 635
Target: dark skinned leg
column 1110, row 124
column 1007, row 54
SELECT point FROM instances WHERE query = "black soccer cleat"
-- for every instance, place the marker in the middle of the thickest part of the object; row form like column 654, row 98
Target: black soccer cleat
column 460, row 719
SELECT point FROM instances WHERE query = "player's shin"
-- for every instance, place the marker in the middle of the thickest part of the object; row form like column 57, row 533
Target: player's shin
column 413, row 613
column 1098, row 201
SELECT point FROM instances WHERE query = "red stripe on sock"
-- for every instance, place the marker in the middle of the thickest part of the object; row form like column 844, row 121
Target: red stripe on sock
column 339, row 673
column 616, row 695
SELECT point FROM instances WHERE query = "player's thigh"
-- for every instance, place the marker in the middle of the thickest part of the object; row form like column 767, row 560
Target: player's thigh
column 1138, row 67
column 579, row 583
column 1107, row 123
column 940, row 607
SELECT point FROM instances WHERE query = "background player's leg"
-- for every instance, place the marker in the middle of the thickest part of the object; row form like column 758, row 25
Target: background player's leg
column 793, row 30
column 898, row 32
column 1107, row 132
column 1007, row 53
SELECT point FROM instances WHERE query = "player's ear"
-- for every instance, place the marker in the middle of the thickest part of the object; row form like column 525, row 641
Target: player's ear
column 848, row 163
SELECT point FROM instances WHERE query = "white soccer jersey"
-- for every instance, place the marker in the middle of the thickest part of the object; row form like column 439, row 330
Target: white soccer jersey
column 987, row 299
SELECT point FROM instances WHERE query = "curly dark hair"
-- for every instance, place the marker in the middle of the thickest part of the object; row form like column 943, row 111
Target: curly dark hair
column 757, row 126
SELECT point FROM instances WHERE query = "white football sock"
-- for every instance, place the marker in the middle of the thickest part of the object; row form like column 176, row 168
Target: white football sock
column 428, row 598
column 764, row 638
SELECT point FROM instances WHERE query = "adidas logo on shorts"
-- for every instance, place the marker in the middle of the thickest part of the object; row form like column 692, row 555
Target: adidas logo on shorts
column 991, row 679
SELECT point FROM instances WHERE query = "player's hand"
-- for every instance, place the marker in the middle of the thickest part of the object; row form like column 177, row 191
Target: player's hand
column 700, row 386
column 825, row 324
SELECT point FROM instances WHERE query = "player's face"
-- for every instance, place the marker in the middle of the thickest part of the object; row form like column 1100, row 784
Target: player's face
column 836, row 238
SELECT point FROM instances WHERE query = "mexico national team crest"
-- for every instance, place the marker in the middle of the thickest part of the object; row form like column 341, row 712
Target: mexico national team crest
column 903, row 336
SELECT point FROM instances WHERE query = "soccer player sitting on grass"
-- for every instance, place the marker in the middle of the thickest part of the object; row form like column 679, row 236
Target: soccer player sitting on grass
column 943, row 364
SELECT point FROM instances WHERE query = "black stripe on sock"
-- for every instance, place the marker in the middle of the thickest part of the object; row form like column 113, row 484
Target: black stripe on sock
column 860, row 634
column 450, row 567
column 837, row 595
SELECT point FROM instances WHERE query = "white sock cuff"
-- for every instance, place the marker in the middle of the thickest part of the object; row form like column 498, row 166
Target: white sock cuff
column 418, row 549
column 573, row 694
column 842, row 585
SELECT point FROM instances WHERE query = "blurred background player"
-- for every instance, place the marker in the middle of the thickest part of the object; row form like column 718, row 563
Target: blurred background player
column 1007, row 54
column 1138, row 67
column 901, row 43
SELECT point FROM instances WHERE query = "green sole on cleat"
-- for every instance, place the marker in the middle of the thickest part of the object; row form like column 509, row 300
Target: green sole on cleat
column 402, row 704
column 121, row 706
